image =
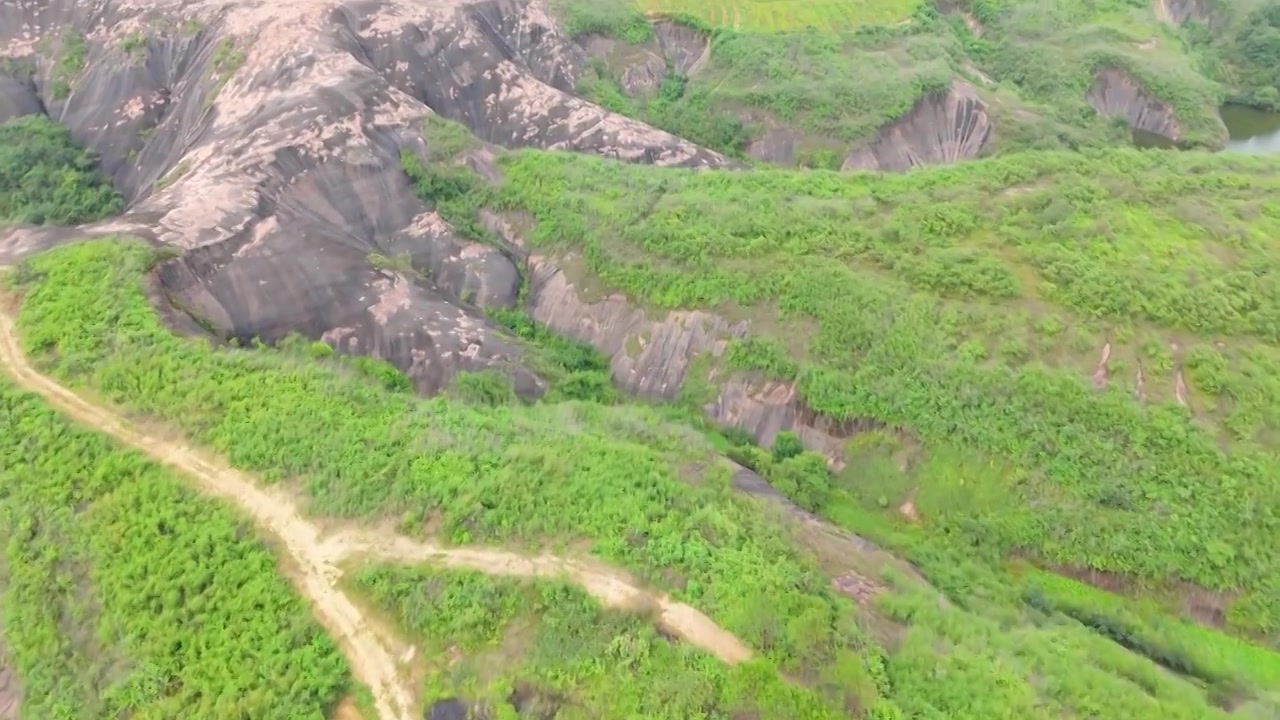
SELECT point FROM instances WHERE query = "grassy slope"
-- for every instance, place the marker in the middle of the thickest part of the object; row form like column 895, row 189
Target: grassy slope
column 486, row 639
column 1049, row 51
column 620, row 478
column 124, row 593
column 1239, row 45
column 613, row 475
column 969, row 305
column 836, row 89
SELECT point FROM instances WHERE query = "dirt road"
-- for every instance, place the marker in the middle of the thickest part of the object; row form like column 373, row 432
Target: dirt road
column 317, row 555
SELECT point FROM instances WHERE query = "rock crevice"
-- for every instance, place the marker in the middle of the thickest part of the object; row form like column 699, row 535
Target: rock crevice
column 1117, row 93
column 944, row 127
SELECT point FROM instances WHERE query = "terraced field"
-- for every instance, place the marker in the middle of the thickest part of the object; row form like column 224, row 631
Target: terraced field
column 782, row 15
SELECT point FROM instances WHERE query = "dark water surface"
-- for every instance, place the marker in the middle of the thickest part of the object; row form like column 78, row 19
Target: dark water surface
column 1253, row 131
column 1145, row 140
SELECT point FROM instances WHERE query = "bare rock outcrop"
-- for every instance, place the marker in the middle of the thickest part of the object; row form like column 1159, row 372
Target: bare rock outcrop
column 1178, row 12
column 776, row 145
column 648, row 357
column 18, row 97
column 685, row 48
column 943, row 127
column 640, row 68
column 263, row 140
column 764, row 408
column 652, row 356
column 1115, row 92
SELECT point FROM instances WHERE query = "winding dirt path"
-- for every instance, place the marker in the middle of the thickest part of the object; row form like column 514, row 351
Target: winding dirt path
column 318, row 554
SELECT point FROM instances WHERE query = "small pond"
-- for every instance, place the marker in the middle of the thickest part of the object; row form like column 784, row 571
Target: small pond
column 1252, row 131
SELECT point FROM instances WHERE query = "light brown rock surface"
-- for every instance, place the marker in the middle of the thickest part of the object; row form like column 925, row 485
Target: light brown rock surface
column 1115, row 92
column 942, row 128
column 263, row 139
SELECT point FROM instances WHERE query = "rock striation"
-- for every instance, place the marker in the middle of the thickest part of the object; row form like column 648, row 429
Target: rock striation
column 1178, row 12
column 944, row 127
column 263, row 140
column 640, row 69
column 1115, row 92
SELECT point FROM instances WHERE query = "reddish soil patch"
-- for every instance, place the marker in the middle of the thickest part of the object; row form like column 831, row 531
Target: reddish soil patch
column 347, row 710
column 10, row 693
column 1100, row 371
column 857, row 588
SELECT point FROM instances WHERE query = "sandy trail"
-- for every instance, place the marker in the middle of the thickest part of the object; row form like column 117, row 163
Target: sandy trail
column 317, row 555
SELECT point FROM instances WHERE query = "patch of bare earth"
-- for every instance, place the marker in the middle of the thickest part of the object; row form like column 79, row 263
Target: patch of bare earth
column 347, row 710
column 1100, row 371
column 10, row 693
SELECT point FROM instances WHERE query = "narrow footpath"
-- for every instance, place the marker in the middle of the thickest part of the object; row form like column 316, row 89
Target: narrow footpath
column 317, row 555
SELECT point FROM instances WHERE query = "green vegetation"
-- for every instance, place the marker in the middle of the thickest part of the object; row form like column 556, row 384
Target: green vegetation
column 135, row 46
column 125, row 595
column 73, row 53
column 622, row 478
column 574, row 370
column 969, row 305
column 46, row 178
column 1050, row 52
column 1239, row 45
column 615, row 476
column 1032, row 61
column 549, row 647
column 831, row 90
column 618, row 18
column 227, row 58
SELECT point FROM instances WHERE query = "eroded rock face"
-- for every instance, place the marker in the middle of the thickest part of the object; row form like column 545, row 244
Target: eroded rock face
column 264, row 140
column 652, row 356
column 1116, row 93
column 777, row 145
column 648, row 357
column 942, row 128
column 640, row 68
column 1180, row 11
column 18, row 97
column 765, row 408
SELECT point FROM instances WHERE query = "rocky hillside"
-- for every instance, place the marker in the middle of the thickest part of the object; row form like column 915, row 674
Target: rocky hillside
column 265, row 143
column 1020, row 355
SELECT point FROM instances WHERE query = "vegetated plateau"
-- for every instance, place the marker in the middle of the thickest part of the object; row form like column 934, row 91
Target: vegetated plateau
column 1044, row 380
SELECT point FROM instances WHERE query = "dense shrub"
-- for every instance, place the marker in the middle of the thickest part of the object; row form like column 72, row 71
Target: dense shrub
column 46, row 178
